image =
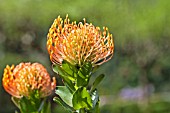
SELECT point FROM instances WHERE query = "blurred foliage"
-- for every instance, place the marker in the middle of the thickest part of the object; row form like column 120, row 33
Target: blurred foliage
column 141, row 35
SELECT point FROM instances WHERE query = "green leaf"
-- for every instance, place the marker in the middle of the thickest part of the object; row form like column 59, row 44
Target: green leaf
column 64, row 76
column 82, row 99
column 57, row 69
column 81, row 74
column 26, row 105
column 69, row 68
column 63, row 104
column 30, row 104
column 82, row 81
column 46, row 107
column 64, row 94
column 97, row 81
column 95, row 101
column 86, row 69
column 84, row 75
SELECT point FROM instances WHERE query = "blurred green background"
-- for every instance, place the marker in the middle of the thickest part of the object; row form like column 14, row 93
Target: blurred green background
column 137, row 78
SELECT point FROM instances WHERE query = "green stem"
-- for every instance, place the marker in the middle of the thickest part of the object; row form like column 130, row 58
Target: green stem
column 82, row 110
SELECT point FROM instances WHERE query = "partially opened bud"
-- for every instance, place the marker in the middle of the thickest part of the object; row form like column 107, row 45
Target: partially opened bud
column 25, row 78
column 79, row 43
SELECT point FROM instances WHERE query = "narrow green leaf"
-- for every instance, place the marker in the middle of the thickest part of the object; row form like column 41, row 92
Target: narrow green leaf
column 84, row 75
column 97, row 81
column 69, row 68
column 30, row 104
column 23, row 104
column 82, row 81
column 26, row 105
column 64, row 94
column 46, row 108
column 57, row 69
column 81, row 74
column 86, row 69
column 63, row 104
column 42, row 104
column 63, row 75
column 82, row 99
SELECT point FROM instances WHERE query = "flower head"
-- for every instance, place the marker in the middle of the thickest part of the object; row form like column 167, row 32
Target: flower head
column 79, row 43
column 25, row 78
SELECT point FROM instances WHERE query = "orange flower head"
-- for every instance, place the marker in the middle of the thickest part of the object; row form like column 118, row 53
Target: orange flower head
column 79, row 43
column 25, row 78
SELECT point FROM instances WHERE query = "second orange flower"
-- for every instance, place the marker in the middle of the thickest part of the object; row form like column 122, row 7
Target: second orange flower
column 25, row 78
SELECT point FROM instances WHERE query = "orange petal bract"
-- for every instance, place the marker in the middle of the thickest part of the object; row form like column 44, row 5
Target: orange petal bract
column 79, row 43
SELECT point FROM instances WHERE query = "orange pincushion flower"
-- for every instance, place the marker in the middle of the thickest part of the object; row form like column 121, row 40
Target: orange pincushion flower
column 79, row 43
column 26, row 77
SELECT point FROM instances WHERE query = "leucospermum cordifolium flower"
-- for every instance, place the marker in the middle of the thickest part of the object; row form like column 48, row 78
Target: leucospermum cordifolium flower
column 25, row 78
column 79, row 43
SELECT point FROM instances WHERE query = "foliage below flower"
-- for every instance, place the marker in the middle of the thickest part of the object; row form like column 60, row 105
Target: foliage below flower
column 25, row 78
column 79, row 43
